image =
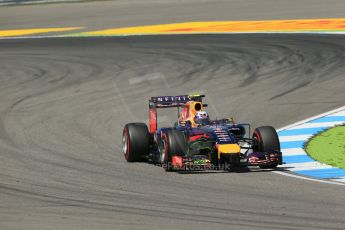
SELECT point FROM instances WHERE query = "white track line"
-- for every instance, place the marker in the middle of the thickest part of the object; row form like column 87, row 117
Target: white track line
column 310, row 179
column 317, row 125
column 340, row 179
column 341, row 113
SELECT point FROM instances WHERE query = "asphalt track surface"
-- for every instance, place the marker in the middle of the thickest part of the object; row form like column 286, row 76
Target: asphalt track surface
column 64, row 102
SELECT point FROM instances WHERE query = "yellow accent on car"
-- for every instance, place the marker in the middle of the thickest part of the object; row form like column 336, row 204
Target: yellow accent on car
column 194, row 95
column 228, row 149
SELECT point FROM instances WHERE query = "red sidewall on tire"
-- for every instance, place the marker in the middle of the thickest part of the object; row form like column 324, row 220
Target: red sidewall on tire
column 125, row 133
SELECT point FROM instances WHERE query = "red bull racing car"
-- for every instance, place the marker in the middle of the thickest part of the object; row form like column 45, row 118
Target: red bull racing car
column 196, row 142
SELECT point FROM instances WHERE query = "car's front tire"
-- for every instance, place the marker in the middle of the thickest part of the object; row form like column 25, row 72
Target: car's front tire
column 266, row 140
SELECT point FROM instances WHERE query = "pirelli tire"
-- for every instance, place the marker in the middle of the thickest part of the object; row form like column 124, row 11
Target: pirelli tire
column 173, row 143
column 135, row 142
column 266, row 140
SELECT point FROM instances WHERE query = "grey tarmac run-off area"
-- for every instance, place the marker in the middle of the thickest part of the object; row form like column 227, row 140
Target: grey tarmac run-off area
column 64, row 102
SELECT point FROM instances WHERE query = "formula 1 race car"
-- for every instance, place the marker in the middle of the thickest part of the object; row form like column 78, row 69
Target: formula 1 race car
column 197, row 143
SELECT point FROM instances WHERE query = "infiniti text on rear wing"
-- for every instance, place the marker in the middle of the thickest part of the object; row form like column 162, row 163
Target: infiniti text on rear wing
column 173, row 101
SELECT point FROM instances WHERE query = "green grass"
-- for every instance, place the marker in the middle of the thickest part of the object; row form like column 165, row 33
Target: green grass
column 328, row 147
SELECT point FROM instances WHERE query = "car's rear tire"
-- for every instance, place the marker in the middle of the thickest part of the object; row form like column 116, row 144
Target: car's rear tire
column 266, row 140
column 135, row 142
column 173, row 143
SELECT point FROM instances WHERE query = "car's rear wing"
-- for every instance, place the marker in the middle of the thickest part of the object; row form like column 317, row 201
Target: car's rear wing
column 169, row 102
column 173, row 101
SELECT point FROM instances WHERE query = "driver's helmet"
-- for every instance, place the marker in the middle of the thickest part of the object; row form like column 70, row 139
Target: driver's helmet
column 201, row 118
